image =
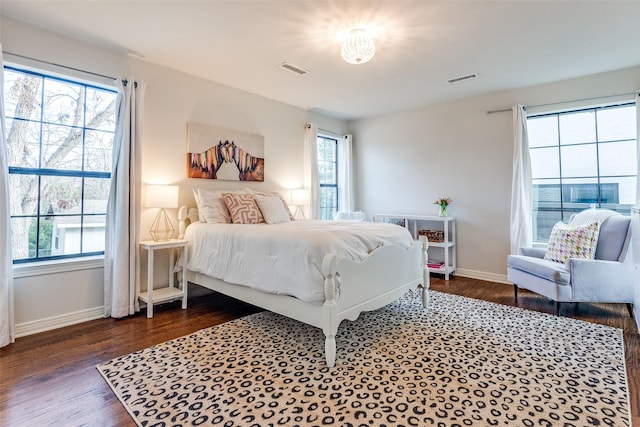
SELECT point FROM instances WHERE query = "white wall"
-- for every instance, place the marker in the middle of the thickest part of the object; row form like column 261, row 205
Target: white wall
column 172, row 99
column 404, row 161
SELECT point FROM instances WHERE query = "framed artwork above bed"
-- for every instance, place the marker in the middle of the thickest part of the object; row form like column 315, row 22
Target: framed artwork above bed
column 217, row 153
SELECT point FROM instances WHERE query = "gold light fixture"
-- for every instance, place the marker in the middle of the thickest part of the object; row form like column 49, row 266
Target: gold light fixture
column 358, row 47
column 163, row 197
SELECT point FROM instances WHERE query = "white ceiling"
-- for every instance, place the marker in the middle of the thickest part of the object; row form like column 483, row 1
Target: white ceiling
column 420, row 44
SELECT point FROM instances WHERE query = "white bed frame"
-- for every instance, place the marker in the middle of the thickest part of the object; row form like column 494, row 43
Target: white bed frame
column 385, row 275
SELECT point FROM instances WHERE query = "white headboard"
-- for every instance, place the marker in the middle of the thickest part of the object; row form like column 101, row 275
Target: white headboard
column 186, row 216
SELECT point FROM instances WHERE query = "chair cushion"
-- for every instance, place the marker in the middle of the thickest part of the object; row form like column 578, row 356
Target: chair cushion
column 612, row 238
column 549, row 270
column 568, row 241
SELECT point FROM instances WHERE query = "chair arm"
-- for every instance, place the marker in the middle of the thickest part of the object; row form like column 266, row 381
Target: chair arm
column 592, row 279
column 533, row 252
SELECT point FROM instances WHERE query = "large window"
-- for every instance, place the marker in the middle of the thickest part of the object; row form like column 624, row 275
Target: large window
column 59, row 137
column 581, row 159
column 328, row 176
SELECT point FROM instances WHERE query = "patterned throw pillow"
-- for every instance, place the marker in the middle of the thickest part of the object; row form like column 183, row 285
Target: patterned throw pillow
column 243, row 208
column 567, row 241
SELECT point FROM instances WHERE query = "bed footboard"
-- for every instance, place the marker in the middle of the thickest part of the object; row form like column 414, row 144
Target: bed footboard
column 353, row 287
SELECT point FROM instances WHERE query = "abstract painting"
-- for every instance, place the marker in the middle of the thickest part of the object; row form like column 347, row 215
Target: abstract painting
column 217, row 153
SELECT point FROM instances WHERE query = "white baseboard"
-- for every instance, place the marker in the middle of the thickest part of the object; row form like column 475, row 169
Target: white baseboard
column 482, row 275
column 55, row 322
column 67, row 319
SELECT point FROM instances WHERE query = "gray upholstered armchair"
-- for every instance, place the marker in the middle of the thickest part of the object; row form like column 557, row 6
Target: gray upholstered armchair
column 606, row 279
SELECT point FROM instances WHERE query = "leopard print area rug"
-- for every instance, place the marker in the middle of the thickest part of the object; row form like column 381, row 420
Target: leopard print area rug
column 461, row 362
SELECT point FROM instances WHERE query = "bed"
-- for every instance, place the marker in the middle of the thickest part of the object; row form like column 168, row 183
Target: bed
column 343, row 286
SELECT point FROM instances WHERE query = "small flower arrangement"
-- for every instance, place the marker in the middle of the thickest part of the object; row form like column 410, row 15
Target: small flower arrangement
column 443, row 202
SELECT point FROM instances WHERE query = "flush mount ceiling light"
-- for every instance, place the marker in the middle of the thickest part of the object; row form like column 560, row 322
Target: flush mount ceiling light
column 358, row 47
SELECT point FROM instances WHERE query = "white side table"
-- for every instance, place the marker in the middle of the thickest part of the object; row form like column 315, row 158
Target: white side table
column 169, row 292
column 444, row 250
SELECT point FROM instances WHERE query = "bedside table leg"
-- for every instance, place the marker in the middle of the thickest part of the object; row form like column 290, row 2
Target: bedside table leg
column 150, row 283
column 185, row 284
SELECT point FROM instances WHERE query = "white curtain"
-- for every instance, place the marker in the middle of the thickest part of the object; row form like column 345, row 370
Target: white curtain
column 345, row 175
column 7, row 333
column 521, row 184
column 638, row 147
column 311, row 181
column 121, row 254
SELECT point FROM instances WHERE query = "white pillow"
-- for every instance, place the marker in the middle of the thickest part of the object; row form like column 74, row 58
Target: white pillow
column 272, row 209
column 271, row 193
column 211, row 207
column 197, row 199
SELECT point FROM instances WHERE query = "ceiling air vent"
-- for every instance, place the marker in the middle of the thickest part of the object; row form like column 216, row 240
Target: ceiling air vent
column 463, row 78
column 290, row 67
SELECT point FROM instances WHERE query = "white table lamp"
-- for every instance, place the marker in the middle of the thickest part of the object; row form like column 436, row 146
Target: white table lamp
column 299, row 198
column 163, row 197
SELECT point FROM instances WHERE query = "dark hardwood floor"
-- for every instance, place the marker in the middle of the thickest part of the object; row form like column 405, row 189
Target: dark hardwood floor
column 49, row 379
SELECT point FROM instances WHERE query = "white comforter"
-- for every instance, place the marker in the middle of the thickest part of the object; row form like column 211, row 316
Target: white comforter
column 284, row 258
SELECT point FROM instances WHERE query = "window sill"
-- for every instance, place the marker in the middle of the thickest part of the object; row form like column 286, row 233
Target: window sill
column 58, row 266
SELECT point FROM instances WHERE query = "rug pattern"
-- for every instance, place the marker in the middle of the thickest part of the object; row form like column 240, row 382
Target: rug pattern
column 462, row 362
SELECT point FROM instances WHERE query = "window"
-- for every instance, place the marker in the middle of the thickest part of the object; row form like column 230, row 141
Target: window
column 59, row 139
column 580, row 159
column 328, row 176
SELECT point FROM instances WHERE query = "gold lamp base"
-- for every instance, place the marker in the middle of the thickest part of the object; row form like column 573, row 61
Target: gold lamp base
column 161, row 228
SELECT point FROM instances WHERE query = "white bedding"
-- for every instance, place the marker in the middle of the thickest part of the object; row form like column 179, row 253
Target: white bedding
column 284, row 258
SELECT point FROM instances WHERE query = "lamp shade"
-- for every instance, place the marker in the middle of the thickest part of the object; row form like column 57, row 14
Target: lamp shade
column 162, row 196
column 358, row 47
column 299, row 197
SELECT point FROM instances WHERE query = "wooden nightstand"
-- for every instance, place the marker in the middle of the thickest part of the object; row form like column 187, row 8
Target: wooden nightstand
column 169, row 292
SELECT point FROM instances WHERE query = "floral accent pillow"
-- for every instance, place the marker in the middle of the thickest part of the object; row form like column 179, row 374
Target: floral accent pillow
column 568, row 241
column 243, row 208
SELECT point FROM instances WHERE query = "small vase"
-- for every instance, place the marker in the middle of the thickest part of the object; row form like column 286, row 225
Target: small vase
column 443, row 210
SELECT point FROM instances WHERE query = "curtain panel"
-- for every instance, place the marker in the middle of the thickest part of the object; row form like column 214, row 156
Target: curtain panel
column 7, row 323
column 521, row 193
column 311, row 179
column 345, row 174
column 638, row 148
column 121, row 254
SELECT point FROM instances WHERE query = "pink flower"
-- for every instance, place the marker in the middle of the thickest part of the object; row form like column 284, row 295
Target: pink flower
column 443, row 201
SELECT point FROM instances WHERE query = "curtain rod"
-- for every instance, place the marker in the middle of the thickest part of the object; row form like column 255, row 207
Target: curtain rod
column 58, row 65
column 330, row 132
column 325, row 131
column 563, row 102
